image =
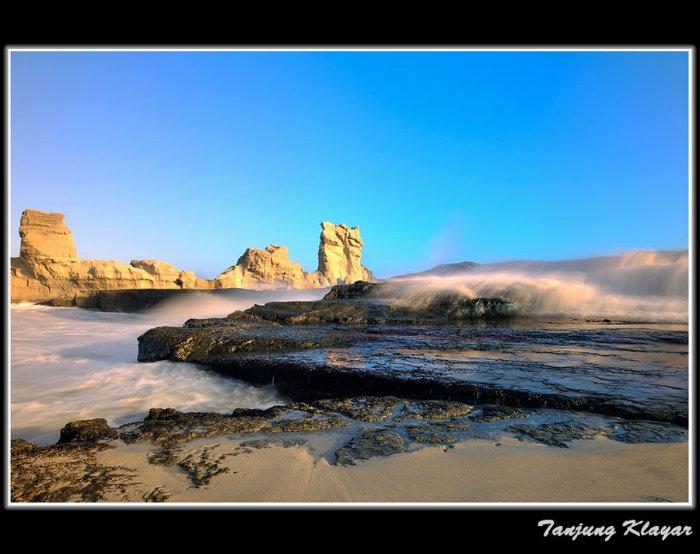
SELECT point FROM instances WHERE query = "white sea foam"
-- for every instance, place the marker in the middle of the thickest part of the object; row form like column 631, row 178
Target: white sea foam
column 70, row 364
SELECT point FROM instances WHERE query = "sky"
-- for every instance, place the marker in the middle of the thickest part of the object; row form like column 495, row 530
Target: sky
column 438, row 157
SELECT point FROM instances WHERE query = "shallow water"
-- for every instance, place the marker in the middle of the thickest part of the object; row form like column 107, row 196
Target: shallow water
column 69, row 364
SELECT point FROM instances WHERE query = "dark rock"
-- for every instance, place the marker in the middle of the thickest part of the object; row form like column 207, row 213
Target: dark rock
column 64, row 473
column 21, row 446
column 88, row 430
column 435, row 307
column 370, row 443
column 127, row 300
column 428, row 435
column 648, row 431
column 435, row 410
column 363, row 408
column 557, row 434
column 314, row 362
column 367, row 426
column 168, row 427
column 488, row 412
column 358, row 289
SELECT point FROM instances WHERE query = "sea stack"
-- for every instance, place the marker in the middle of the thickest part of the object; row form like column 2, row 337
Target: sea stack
column 45, row 236
column 48, row 267
column 339, row 255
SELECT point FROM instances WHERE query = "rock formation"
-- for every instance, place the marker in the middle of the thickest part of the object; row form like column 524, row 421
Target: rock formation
column 339, row 254
column 267, row 269
column 48, row 266
column 46, row 237
column 338, row 263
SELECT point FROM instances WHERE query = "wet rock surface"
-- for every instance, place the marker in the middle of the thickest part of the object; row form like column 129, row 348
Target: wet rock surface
column 344, row 431
column 64, row 473
column 370, row 443
column 355, row 344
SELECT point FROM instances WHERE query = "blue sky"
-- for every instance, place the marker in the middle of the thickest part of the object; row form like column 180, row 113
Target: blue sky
column 437, row 156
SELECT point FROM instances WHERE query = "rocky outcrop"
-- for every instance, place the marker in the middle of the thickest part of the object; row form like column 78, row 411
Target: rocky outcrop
column 46, row 237
column 163, row 271
column 49, row 269
column 339, row 255
column 268, row 269
column 87, row 430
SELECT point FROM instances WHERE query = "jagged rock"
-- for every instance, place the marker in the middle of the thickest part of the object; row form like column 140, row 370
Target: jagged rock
column 267, row 269
column 48, row 268
column 355, row 429
column 361, row 305
column 359, row 289
column 338, row 262
column 339, row 254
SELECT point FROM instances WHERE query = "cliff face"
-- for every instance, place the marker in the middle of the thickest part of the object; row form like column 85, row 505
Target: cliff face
column 48, row 266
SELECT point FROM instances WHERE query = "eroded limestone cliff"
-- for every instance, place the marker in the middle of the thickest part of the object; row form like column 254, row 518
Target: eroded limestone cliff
column 48, row 266
column 338, row 263
column 339, row 255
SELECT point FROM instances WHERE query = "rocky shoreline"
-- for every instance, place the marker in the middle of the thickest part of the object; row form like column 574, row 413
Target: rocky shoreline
column 351, row 343
column 370, row 374
column 360, row 428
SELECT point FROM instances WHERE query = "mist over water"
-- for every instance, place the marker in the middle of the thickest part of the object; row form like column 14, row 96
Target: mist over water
column 70, row 364
column 649, row 285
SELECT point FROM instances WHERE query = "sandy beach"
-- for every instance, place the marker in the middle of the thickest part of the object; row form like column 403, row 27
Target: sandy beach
column 598, row 470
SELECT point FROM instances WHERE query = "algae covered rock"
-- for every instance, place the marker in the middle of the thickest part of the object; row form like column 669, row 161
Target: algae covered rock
column 88, row 430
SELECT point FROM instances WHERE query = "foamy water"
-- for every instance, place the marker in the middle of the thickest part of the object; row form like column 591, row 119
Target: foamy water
column 70, row 364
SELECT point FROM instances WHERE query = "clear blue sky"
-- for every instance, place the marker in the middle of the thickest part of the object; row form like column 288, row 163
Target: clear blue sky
column 437, row 156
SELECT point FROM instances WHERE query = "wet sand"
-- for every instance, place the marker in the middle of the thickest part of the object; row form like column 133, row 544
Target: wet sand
column 508, row 470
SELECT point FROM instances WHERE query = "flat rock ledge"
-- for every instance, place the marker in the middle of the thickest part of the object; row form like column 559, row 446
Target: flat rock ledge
column 355, row 343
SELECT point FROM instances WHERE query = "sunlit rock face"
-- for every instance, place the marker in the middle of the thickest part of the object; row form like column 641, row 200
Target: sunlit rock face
column 338, row 263
column 339, row 254
column 45, row 236
column 165, row 272
column 266, row 269
column 48, row 266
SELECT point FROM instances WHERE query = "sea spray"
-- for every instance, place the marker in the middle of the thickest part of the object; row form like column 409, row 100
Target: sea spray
column 647, row 285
